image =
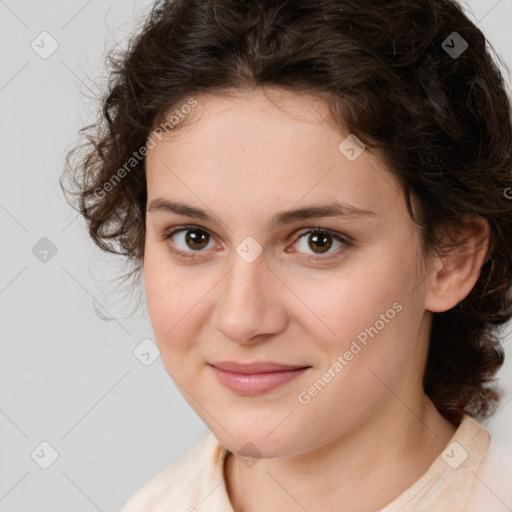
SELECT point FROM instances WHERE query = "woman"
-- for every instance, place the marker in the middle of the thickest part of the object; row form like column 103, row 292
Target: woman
column 316, row 195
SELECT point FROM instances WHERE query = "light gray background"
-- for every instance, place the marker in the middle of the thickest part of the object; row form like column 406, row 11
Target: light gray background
column 67, row 377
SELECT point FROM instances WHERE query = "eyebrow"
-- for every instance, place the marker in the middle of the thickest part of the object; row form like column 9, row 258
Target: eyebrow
column 333, row 209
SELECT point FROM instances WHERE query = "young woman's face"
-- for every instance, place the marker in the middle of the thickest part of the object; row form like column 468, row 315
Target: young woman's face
column 253, row 283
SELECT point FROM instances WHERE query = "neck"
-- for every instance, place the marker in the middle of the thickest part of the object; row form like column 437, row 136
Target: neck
column 391, row 449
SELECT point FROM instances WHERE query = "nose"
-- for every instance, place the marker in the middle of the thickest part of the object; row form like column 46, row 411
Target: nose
column 250, row 304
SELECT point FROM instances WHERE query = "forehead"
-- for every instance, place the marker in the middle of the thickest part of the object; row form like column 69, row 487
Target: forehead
column 251, row 117
column 269, row 148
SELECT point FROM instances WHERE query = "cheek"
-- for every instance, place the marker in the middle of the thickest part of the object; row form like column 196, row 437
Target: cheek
column 171, row 297
column 348, row 304
column 370, row 318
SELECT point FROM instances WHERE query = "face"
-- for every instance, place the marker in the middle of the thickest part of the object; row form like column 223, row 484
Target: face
column 338, row 294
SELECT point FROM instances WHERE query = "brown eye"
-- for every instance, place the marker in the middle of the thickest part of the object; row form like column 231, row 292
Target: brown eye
column 196, row 239
column 188, row 239
column 320, row 241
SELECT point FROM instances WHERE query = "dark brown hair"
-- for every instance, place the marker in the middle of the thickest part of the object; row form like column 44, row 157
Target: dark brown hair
column 393, row 73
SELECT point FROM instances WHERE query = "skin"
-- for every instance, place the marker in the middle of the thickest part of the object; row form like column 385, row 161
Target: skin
column 243, row 158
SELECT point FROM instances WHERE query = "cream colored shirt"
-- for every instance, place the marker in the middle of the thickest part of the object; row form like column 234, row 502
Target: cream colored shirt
column 194, row 482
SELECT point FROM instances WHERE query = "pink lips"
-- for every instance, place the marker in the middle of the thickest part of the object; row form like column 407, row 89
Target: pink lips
column 255, row 378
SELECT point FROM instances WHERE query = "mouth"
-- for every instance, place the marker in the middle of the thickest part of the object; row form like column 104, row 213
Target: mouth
column 255, row 378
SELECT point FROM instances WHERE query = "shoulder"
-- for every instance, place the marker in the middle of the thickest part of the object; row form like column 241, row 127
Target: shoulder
column 491, row 489
column 179, row 483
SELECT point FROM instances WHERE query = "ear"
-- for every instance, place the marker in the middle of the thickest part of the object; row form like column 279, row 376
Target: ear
column 456, row 269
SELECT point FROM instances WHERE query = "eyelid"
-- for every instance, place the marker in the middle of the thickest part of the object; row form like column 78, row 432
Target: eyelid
column 178, row 229
column 345, row 240
column 297, row 235
column 335, row 234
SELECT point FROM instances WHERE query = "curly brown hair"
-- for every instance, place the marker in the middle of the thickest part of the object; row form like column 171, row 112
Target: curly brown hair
column 393, row 73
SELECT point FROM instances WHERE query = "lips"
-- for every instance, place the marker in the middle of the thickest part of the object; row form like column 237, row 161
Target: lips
column 255, row 378
column 252, row 368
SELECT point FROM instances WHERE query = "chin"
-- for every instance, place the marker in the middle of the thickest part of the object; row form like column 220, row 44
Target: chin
column 255, row 442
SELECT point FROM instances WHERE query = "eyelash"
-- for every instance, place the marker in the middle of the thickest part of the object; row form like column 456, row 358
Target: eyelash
column 346, row 241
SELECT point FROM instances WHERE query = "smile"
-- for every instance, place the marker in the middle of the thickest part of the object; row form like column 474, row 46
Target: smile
column 253, row 381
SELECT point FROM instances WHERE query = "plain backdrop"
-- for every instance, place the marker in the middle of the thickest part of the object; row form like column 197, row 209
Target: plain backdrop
column 85, row 420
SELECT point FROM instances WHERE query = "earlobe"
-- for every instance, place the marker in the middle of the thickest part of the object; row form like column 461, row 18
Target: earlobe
column 457, row 267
